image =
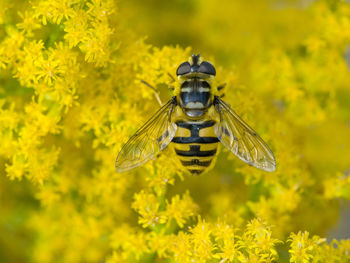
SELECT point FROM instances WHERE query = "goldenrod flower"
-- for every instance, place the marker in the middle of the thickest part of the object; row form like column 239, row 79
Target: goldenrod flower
column 72, row 91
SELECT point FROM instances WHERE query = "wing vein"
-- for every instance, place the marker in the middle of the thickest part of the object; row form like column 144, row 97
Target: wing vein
column 241, row 139
column 144, row 145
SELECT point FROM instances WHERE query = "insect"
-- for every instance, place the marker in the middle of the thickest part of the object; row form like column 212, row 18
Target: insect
column 195, row 120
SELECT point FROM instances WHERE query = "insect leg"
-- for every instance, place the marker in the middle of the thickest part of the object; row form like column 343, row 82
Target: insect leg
column 155, row 91
column 172, row 78
column 170, row 86
column 221, row 90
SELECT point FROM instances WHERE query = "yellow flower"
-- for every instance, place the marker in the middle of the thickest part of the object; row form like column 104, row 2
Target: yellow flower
column 76, row 27
column 228, row 243
column 17, row 168
column 303, row 248
column 147, row 206
column 29, row 23
column 201, row 241
column 53, row 11
column 180, row 209
column 72, row 93
column 48, row 70
column 258, row 241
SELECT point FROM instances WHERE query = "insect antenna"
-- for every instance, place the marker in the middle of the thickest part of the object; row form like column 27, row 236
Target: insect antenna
column 170, row 86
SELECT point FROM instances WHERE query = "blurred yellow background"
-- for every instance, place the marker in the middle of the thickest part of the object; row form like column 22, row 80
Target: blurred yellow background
column 70, row 96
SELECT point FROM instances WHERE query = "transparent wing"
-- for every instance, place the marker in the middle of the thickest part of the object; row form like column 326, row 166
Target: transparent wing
column 242, row 140
column 149, row 140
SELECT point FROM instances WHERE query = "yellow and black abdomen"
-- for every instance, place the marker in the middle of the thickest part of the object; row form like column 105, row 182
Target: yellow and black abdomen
column 196, row 145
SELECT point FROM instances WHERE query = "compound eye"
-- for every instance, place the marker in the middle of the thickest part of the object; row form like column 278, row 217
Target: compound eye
column 184, row 68
column 207, row 68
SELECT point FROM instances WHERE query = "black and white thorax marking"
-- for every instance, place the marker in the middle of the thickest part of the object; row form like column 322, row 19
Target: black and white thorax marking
column 195, row 97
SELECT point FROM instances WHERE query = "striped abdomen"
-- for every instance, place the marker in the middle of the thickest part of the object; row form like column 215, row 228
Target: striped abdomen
column 196, row 145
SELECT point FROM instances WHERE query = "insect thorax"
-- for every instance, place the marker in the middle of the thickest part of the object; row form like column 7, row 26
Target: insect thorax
column 195, row 97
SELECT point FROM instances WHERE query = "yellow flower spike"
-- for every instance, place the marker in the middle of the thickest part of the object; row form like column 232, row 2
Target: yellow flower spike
column 227, row 243
column 147, row 205
column 133, row 243
column 160, row 244
column 71, row 93
column 101, row 9
column 303, row 248
column 181, row 247
column 76, row 27
column 337, row 186
column 180, row 209
column 53, row 11
column 203, row 247
column 11, row 45
column 258, row 243
column 29, row 23
column 17, row 169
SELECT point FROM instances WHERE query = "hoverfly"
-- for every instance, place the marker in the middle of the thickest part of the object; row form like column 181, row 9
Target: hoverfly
column 195, row 120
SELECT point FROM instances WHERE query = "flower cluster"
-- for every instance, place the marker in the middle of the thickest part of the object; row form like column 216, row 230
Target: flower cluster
column 72, row 92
